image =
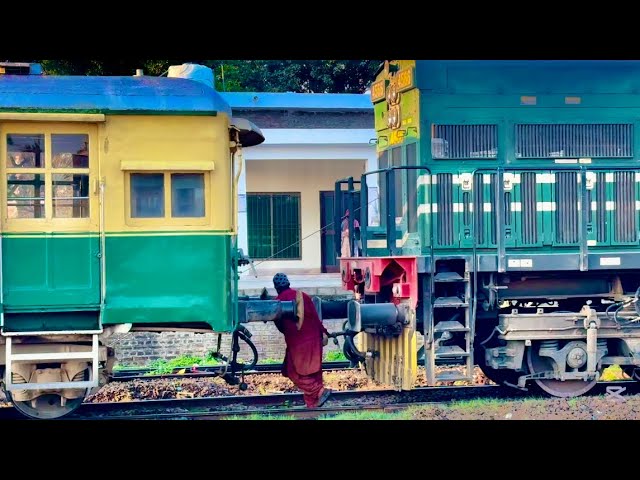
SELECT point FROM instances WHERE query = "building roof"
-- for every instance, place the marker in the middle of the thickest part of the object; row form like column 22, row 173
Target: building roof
column 143, row 94
column 298, row 101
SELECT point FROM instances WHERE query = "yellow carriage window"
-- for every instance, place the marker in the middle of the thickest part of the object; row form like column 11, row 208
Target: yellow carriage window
column 187, row 195
column 25, row 151
column 70, row 195
column 25, row 195
column 179, row 198
column 147, row 195
column 70, row 151
column 64, row 180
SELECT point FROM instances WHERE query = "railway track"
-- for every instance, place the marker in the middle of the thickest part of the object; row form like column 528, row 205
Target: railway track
column 291, row 404
column 209, row 371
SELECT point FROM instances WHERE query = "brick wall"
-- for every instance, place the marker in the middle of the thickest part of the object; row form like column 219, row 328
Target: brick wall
column 301, row 119
column 139, row 348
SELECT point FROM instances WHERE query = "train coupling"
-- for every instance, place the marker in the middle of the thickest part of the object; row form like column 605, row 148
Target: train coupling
column 335, row 335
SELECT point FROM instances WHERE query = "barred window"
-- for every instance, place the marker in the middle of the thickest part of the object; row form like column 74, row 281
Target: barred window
column 273, row 225
column 464, row 141
column 595, row 140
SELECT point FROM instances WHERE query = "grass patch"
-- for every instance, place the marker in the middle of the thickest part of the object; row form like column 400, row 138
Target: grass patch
column 269, row 361
column 481, row 403
column 336, row 356
column 364, row 415
column 163, row 367
column 477, row 403
column 328, row 357
column 258, row 416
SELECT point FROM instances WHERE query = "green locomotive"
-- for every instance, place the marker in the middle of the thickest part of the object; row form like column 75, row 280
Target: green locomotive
column 509, row 199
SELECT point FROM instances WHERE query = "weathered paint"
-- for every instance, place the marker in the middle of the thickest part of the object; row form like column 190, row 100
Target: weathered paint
column 162, row 141
column 157, row 270
column 135, row 95
column 50, row 271
column 49, row 224
column 169, row 279
column 397, row 362
column 150, row 279
column 542, row 219
column 491, row 92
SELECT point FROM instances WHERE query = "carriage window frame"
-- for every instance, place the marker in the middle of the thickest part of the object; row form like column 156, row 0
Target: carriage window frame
column 167, row 218
column 49, row 173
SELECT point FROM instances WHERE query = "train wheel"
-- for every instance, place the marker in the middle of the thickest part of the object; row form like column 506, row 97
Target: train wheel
column 47, row 407
column 50, row 406
column 556, row 388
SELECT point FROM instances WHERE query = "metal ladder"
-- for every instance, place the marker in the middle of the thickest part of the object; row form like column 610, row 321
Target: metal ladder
column 455, row 324
column 92, row 355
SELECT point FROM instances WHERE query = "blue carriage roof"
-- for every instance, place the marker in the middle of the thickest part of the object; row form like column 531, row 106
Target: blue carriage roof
column 131, row 95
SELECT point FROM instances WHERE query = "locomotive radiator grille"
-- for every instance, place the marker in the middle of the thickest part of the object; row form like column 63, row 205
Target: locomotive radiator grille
column 574, row 140
column 601, row 211
column 566, row 215
column 625, row 230
column 484, row 204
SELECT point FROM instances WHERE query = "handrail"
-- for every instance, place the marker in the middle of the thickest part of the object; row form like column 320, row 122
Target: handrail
column 389, row 173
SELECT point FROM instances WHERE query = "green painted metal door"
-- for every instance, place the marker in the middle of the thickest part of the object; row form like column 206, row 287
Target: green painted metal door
column 50, row 217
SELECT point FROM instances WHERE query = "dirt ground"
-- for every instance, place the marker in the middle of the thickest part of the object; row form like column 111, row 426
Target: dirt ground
column 581, row 408
column 263, row 384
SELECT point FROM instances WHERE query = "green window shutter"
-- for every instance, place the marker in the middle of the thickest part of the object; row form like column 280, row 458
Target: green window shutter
column 274, row 225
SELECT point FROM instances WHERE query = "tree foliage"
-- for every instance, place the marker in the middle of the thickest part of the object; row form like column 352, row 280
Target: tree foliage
column 308, row 76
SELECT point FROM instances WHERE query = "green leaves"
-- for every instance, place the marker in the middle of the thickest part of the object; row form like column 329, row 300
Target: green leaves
column 305, row 76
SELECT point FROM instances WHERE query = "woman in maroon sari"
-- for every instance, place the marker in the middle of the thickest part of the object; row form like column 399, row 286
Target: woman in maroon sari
column 304, row 336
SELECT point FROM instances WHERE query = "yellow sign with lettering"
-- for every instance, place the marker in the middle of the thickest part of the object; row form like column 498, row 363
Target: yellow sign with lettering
column 396, row 137
column 378, row 91
column 404, row 79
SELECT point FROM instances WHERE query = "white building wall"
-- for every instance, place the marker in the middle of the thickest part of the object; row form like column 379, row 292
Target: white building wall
column 349, row 153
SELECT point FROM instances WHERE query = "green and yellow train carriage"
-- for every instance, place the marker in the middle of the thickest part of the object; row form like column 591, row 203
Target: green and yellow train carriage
column 117, row 211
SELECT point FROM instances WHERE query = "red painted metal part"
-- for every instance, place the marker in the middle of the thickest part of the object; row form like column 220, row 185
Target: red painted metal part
column 401, row 273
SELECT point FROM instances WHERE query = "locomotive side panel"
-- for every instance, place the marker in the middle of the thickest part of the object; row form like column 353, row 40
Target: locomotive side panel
column 528, row 206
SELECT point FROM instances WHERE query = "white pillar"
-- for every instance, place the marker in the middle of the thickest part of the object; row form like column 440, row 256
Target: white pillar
column 243, row 236
column 372, row 187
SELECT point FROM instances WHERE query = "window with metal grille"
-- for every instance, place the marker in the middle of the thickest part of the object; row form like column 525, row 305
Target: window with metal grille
column 274, row 225
column 464, row 141
column 574, row 140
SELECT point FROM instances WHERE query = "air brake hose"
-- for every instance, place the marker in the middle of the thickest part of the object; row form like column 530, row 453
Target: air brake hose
column 240, row 333
column 349, row 348
column 253, row 348
column 351, row 351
